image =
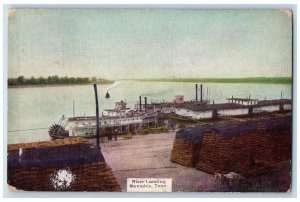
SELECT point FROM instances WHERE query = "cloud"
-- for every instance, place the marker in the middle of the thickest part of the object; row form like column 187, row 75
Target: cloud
column 11, row 12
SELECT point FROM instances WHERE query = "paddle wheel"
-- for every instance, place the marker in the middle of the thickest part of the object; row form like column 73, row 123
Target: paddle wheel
column 57, row 131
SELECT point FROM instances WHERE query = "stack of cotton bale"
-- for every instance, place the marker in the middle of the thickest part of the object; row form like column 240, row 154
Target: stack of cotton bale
column 70, row 164
column 235, row 146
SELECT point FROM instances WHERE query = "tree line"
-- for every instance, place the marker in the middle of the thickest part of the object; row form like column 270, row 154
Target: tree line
column 21, row 80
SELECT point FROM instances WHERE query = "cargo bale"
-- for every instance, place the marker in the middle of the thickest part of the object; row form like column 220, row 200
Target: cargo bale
column 187, row 144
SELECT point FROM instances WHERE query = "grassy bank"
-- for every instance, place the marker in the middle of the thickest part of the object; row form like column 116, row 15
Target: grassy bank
column 263, row 80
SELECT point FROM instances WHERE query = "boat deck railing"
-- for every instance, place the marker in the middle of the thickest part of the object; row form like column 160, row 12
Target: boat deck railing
column 114, row 124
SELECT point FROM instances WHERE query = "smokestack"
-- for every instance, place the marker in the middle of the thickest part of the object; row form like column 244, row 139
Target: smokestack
column 73, row 109
column 201, row 92
column 196, row 92
column 145, row 104
column 140, row 103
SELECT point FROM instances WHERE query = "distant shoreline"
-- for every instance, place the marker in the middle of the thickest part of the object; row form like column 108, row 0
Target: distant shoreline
column 51, row 85
column 260, row 80
column 22, row 81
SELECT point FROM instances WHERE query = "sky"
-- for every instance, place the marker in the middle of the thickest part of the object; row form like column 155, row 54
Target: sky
column 149, row 43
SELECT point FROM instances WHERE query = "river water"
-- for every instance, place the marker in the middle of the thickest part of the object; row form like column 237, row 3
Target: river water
column 32, row 110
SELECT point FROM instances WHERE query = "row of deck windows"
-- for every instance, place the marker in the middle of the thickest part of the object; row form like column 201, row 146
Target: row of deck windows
column 105, row 122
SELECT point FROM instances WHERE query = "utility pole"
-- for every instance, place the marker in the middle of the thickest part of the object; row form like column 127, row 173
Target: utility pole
column 97, row 117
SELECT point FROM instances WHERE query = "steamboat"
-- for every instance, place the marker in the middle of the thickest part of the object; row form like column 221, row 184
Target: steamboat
column 124, row 120
column 120, row 120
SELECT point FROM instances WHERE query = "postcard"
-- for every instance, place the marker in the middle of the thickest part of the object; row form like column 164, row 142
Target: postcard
column 149, row 100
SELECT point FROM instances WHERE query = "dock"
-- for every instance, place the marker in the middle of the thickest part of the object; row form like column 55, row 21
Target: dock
column 149, row 156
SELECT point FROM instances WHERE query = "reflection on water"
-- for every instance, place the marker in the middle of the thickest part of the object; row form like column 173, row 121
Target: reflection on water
column 39, row 107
